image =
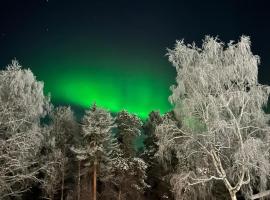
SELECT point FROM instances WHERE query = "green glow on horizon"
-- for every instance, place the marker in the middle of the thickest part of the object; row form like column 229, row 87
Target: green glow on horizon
column 139, row 85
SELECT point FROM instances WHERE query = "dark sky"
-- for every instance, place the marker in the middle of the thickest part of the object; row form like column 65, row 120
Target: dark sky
column 154, row 23
column 45, row 34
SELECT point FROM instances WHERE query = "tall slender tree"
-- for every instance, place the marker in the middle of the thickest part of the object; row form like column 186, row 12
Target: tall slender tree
column 98, row 144
column 157, row 175
column 130, row 169
column 64, row 128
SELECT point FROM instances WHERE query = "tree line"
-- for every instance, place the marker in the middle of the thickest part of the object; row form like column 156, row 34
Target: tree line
column 213, row 144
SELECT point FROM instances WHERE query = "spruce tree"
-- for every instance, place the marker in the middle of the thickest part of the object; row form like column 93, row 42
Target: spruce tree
column 130, row 169
column 98, row 144
column 157, row 174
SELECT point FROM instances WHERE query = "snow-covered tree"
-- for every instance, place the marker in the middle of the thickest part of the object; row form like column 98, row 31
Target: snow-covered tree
column 19, row 164
column 78, row 152
column 128, row 128
column 64, row 130
column 52, row 158
column 98, row 143
column 129, row 170
column 22, row 104
column 225, row 134
column 158, row 175
column 129, row 176
column 22, row 99
column 60, row 136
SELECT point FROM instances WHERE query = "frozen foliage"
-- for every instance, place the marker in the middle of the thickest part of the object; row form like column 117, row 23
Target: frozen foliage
column 22, row 103
column 63, row 127
column 98, row 144
column 166, row 141
column 158, row 175
column 98, row 147
column 139, row 167
column 129, row 171
column 18, row 162
column 51, row 183
column 128, row 128
column 224, row 134
column 59, row 137
column 21, row 96
column 129, row 176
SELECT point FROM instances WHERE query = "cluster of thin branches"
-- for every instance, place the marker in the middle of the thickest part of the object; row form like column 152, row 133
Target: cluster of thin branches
column 224, row 134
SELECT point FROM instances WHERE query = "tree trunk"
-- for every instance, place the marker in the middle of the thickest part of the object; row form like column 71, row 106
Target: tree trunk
column 233, row 196
column 79, row 181
column 95, row 180
column 119, row 193
column 51, row 195
column 63, row 180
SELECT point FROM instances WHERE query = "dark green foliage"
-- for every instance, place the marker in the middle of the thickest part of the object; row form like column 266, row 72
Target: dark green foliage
column 128, row 128
column 129, row 174
column 97, row 139
column 157, row 175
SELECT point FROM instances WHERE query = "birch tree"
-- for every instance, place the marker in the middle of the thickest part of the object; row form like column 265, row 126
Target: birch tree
column 64, row 128
column 59, row 136
column 22, row 104
column 224, row 135
column 52, row 160
column 22, row 100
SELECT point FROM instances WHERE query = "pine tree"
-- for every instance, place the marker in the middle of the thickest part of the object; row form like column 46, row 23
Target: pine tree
column 129, row 169
column 98, row 144
column 128, row 128
column 157, row 174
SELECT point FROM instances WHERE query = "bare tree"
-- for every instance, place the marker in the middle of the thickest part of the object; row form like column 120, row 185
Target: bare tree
column 19, row 168
column 51, row 182
column 224, row 133
column 79, row 154
column 63, row 129
column 59, row 135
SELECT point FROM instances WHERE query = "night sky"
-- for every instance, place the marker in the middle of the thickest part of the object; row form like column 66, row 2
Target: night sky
column 113, row 52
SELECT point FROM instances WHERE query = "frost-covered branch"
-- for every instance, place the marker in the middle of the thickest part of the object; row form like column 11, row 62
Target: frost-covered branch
column 219, row 101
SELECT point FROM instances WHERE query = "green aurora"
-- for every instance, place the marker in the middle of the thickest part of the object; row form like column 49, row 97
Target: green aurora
column 112, row 78
column 112, row 52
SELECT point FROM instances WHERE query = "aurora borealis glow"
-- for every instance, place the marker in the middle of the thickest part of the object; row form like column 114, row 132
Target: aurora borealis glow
column 112, row 52
column 114, row 80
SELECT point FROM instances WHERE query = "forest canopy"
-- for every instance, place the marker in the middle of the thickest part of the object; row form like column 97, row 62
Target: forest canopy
column 213, row 144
